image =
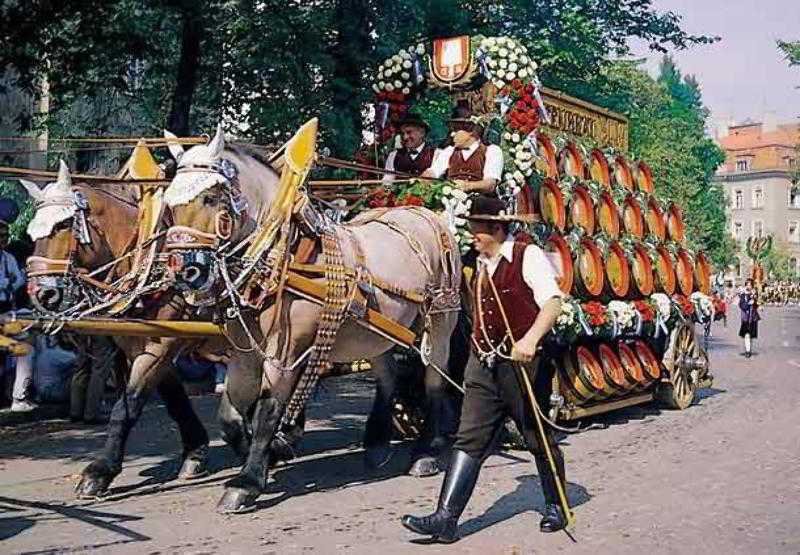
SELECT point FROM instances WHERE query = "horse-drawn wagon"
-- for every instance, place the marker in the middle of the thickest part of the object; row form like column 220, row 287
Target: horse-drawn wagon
column 237, row 251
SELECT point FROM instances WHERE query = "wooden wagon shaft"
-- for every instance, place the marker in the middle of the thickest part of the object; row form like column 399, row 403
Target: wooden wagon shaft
column 79, row 176
column 13, row 347
column 351, row 182
column 106, row 326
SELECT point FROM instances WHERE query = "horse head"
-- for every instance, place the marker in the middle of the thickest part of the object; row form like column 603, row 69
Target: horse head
column 215, row 195
column 73, row 230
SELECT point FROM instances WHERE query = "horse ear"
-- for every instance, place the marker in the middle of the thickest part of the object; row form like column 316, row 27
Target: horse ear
column 217, row 144
column 175, row 148
column 63, row 173
column 33, row 190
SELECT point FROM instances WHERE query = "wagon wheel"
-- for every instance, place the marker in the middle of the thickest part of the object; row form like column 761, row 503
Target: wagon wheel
column 686, row 363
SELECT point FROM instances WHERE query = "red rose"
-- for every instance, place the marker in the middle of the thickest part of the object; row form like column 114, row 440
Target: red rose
column 516, row 83
column 528, row 99
column 413, row 200
column 521, row 105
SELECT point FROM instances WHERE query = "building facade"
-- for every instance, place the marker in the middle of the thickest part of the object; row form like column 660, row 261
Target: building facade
column 757, row 179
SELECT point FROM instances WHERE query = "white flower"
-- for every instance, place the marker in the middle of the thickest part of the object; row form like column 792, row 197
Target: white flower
column 507, row 136
column 518, row 176
column 388, row 63
column 491, row 41
column 522, row 74
column 387, row 73
column 407, row 64
column 382, row 84
column 501, row 74
column 503, row 63
column 398, row 85
column 376, row 88
column 446, row 190
column 420, row 49
column 512, row 67
column 523, row 59
column 534, row 65
column 515, row 137
column 492, row 63
column 529, row 172
column 510, row 75
column 459, row 194
column 397, row 59
column 405, row 75
column 524, row 166
column 403, row 53
column 406, row 90
column 503, row 52
column 389, row 87
column 513, row 57
column 499, row 83
column 663, row 304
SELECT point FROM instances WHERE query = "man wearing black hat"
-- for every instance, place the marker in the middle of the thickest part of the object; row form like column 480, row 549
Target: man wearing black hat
column 516, row 301
column 416, row 155
column 470, row 164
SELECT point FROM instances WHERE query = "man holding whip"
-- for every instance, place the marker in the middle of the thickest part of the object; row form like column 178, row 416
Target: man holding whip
column 515, row 303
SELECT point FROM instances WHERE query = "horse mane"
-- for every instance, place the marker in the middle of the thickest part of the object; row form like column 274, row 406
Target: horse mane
column 246, row 150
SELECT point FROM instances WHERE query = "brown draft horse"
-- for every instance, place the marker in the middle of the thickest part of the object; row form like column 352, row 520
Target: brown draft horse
column 78, row 228
column 402, row 247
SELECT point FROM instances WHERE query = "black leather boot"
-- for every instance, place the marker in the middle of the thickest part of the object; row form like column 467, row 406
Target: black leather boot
column 553, row 519
column 457, row 488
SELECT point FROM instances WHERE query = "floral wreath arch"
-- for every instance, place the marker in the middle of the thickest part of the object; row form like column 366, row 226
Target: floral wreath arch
column 503, row 75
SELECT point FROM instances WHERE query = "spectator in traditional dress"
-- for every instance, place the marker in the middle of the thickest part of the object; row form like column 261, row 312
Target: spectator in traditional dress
column 748, row 305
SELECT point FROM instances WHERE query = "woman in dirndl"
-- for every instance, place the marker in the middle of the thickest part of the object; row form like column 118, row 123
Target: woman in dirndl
column 748, row 305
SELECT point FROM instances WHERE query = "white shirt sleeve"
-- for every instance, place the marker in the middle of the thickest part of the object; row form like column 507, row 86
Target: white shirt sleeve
column 387, row 177
column 493, row 169
column 539, row 275
column 441, row 161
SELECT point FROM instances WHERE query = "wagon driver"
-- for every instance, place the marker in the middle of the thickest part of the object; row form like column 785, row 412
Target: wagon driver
column 516, row 301
column 472, row 165
column 416, row 155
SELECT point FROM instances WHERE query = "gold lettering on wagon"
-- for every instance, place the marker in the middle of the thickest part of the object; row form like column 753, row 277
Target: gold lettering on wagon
column 583, row 119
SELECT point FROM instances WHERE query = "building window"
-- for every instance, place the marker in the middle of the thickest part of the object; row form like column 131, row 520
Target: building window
column 793, row 162
column 794, row 197
column 737, row 231
column 758, row 228
column 758, row 197
column 742, row 164
column 794, row 232
column 738, row 199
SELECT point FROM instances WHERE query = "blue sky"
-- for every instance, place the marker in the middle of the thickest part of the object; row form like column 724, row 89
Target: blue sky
column 743, row 75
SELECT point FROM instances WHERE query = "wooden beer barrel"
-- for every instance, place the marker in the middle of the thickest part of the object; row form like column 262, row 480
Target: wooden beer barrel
column 702, row 273
column 654, row 220
column 581, row 210
column 618, row 277
column 570, row 161
column 589, row 275
column 644, row 178
column 551, row 204
column 675, row 225
column 652, row 370
column 684, row 272
column 527, row 201
column 557, row 251
column 546, row 162
column 598, row 168
column 582, row 376
column 614, row 375
column 623, row 177
column 632, row 219
column 664, row 272
column 641, row 272
column 607, row 217
column 631, row 366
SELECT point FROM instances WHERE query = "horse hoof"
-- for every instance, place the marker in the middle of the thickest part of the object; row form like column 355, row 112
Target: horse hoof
column 237, row 501
column 92, row 486
column 377, row 457
column 426, row 466
column 195, row 464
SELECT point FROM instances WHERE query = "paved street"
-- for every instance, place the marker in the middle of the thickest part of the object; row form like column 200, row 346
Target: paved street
column 719, row 477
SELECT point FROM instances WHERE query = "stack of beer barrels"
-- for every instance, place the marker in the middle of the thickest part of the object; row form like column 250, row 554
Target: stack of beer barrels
column 611, row 239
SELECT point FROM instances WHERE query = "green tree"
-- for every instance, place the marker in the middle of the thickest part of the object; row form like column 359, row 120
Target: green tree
column 777, row 262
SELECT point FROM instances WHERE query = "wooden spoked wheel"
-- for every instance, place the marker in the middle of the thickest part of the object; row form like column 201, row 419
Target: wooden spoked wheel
column 685, row 362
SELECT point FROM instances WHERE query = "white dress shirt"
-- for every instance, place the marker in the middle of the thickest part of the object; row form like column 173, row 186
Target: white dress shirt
column 492, row 169
column 413, row 153
column 537, row 271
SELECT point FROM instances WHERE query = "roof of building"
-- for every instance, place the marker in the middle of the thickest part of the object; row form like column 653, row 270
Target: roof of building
column 742, row 137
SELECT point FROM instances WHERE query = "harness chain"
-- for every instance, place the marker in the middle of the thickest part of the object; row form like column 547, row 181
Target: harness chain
column 333, row 315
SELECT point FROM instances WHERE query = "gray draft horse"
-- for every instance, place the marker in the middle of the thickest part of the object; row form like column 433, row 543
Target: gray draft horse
column 402, row 247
